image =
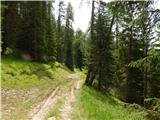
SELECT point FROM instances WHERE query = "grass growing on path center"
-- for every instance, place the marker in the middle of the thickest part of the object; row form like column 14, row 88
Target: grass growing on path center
column 93, row 105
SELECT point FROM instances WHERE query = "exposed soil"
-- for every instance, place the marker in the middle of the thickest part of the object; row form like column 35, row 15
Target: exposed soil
column 39, row 111
column 49, row 102
column 65, row 112
column 11, row 99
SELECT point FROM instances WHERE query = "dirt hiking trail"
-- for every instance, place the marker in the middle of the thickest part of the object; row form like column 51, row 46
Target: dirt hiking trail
column 48, row 103
column 41, row 110
column 66, row 110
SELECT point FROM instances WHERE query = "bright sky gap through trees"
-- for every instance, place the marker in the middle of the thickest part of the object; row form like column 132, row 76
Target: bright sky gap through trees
column 82, row 12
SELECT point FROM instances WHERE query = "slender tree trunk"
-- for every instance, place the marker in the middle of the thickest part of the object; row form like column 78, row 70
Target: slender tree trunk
column 90, row 76
column 100, row 75
column 93, row 75
column 145, row 82
column 128, row 96
column 117, row 32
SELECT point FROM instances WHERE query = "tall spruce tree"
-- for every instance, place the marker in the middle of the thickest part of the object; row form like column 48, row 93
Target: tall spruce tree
column 60, row 33
column 37, row 35
column 127, row 50
column 79, row 49
column 26, row 37
column 133, row 40
column 51, row 33
column 101, row 51
column 10, row 27
column 69, row 37
column 92, row 49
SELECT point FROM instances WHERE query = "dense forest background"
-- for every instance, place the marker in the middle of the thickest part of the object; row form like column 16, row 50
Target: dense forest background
column 120, row 50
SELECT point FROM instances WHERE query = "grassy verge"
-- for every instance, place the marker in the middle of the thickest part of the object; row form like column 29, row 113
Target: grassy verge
column 25, row 84
column 93, row 105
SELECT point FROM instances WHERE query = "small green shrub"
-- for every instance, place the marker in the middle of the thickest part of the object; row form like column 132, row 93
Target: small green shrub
column 50, row 73
column 26, row 71
column 153, row 104
column 9, row 51
column 11, row 72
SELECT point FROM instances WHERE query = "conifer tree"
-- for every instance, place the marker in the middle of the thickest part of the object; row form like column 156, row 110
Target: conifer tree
column 60, row 33
column 51, row 33
column 69, row 37
column 10, row 27
column 102, row 55
column 79, row 49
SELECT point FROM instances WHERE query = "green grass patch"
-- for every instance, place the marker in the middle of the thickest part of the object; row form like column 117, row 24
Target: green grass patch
column 20, row 76
column 94, row 105
column 18, row 73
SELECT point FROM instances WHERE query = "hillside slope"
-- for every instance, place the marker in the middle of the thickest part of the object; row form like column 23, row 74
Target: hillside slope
column 25, row 84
